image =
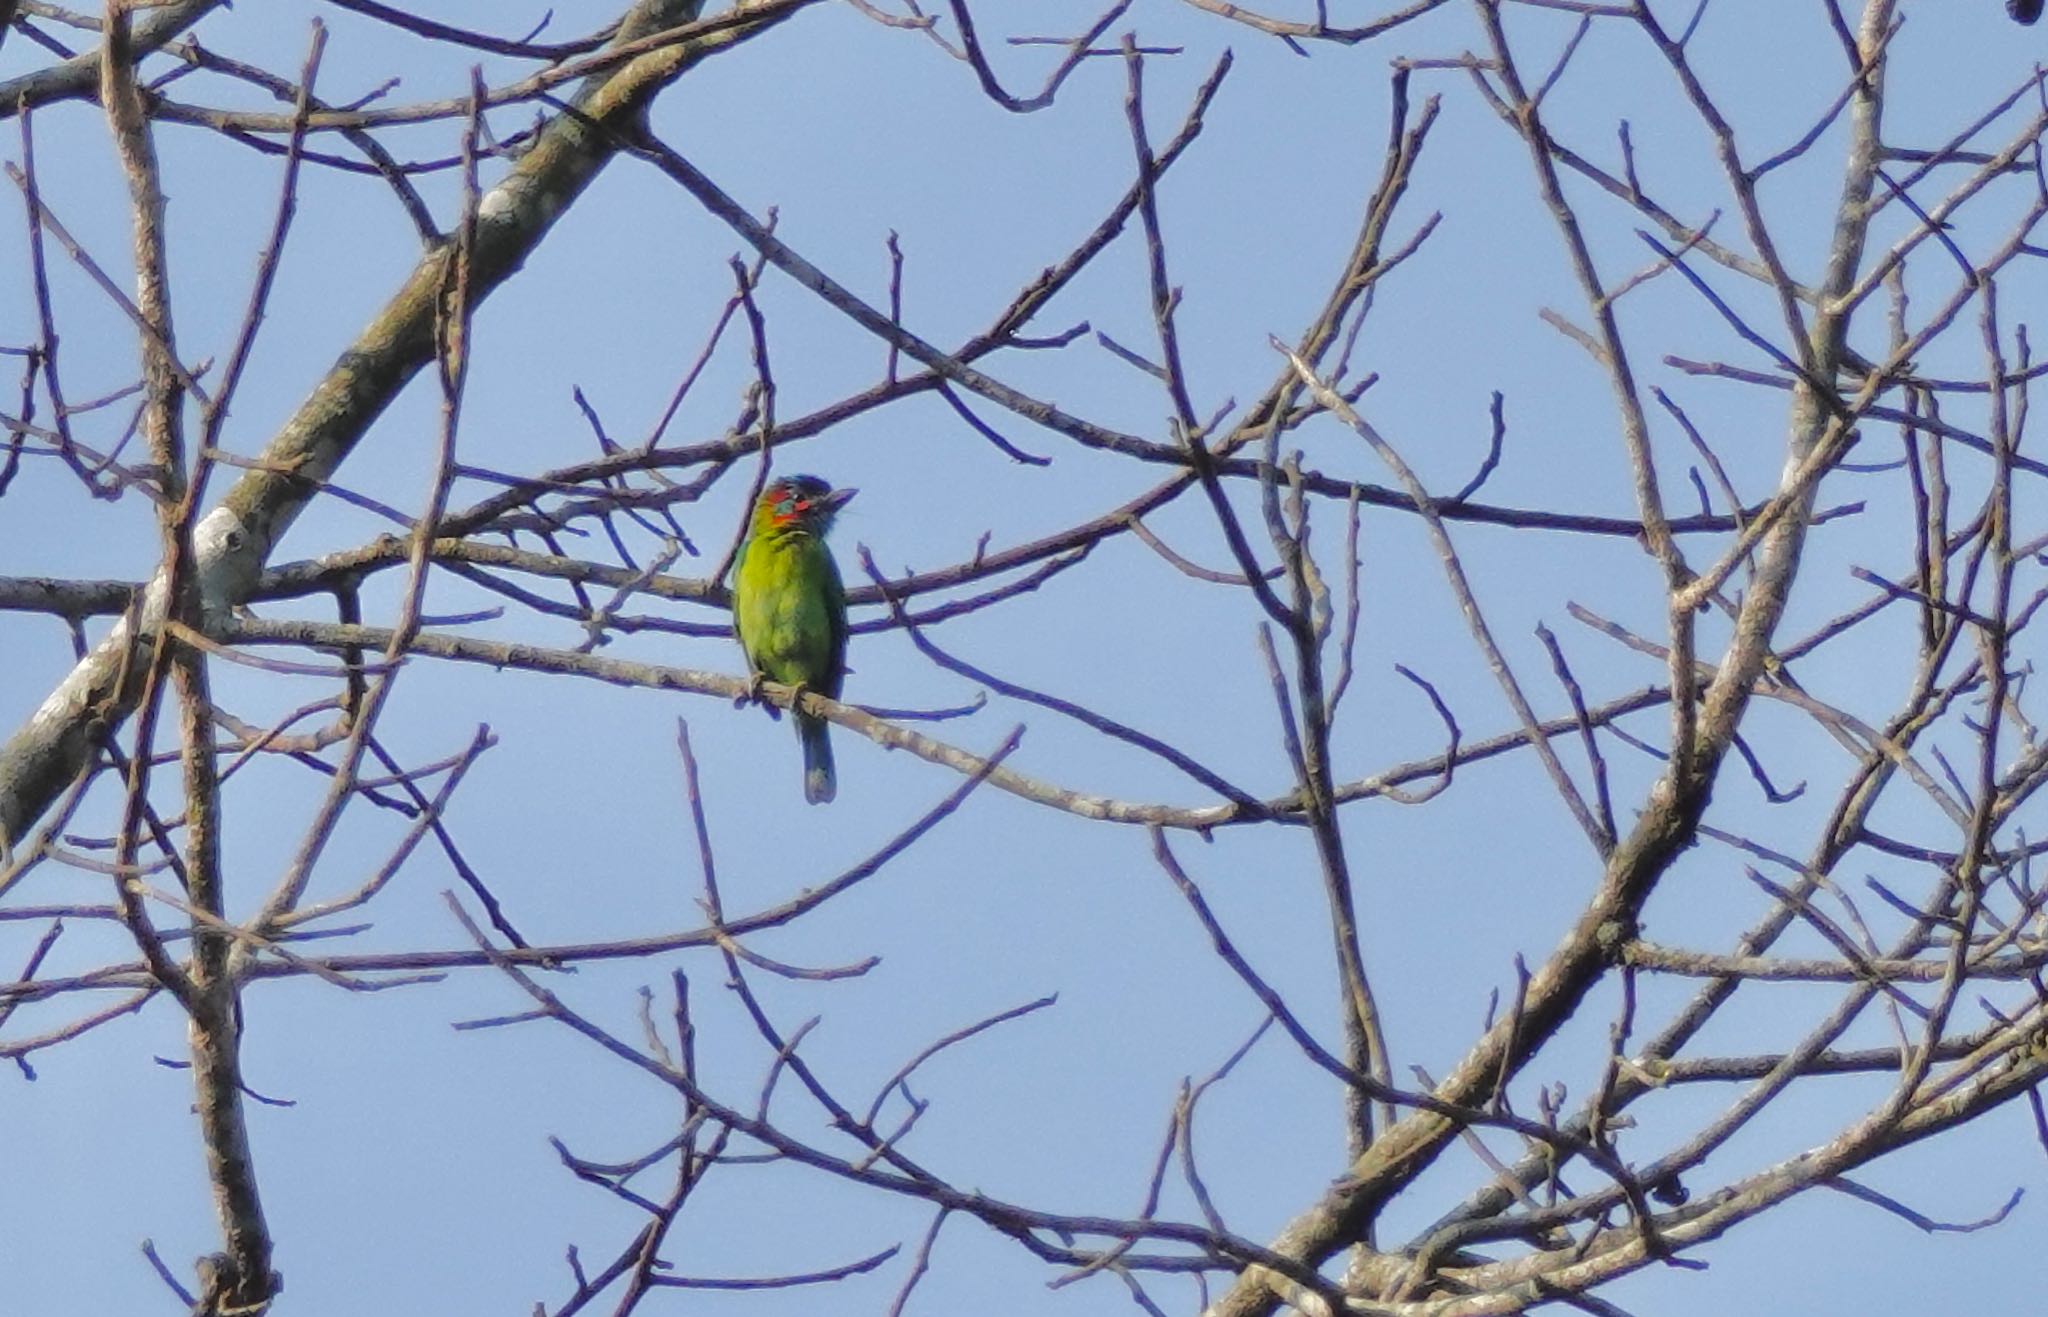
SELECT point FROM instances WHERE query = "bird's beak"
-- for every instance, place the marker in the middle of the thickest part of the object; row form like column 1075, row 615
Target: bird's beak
column 838, row 498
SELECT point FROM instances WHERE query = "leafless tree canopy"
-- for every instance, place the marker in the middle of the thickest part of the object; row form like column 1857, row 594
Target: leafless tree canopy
column 1830, row 281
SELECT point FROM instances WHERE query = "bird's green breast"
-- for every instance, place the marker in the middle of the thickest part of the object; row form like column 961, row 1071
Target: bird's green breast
column 790, row 608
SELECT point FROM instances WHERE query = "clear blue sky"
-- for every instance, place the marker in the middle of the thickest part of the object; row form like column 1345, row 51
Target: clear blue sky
column 413, row 1173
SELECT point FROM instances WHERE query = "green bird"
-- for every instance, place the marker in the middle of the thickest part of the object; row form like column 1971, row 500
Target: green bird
column 789, row 607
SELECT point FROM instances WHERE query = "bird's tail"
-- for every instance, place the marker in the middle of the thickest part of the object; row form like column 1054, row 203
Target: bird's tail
column 819, row 783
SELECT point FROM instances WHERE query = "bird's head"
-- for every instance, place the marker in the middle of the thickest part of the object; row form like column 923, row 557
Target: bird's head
column 800, row 503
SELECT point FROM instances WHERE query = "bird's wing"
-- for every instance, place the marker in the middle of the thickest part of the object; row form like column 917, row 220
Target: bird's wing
column 835, row 613
column 739, row 598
